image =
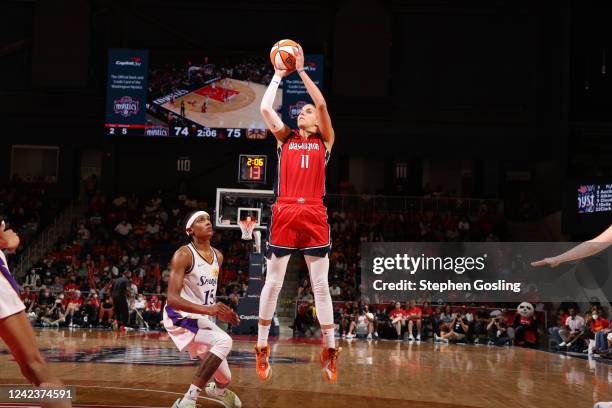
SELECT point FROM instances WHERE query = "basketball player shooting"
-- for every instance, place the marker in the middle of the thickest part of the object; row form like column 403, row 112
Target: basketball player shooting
column 192, row 288
column 16, row 330
column 299, row 218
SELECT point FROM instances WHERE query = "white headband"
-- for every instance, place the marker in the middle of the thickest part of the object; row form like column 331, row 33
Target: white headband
column 191, row 219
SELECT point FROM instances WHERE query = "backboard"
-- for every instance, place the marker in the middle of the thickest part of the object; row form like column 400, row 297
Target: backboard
column 234, row 204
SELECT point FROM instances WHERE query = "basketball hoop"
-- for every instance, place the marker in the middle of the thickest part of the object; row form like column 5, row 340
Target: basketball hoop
column 247, row 227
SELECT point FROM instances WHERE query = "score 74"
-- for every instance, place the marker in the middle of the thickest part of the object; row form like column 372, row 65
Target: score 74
column 184, row 131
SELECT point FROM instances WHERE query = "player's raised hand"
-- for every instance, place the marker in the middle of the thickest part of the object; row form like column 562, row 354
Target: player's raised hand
column 8, row 238
column 299, row 57
column 552, row 262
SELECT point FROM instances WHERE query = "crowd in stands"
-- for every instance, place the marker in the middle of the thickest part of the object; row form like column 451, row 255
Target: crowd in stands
column 484, row 324
column 71, row 286
column 589, row 332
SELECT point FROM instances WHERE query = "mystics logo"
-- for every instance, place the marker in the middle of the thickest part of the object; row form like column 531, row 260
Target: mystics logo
column 132, row 62
column 586, row 199
column 294, row 110
column 126, row 106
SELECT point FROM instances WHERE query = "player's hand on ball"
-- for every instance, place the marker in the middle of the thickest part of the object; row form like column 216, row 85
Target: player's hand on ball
column 281, row 72
column 8, row 238
column 552, row 262
column 299, row 57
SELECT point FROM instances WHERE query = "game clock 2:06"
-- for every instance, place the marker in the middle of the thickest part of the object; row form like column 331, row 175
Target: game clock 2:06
column 252, row 168
column 207, row 132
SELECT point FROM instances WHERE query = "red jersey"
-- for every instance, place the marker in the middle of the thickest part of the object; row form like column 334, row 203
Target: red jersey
column 397, row 313
column 301, row 167
column 414, row 313
column 599, row 324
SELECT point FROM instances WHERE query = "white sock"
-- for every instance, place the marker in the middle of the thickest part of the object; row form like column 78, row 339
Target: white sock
column 262, row 335
column 329, row 338
column 192, row 394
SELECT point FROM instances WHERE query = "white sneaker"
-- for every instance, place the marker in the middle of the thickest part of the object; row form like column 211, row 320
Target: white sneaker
column 349, row 336
column 562, row 344
column 411, row 338
column 229, row 399
column 418, row 338
column 369, row 337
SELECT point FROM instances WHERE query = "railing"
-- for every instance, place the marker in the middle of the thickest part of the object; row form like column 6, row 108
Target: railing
column 398, row 204
column 40, row 245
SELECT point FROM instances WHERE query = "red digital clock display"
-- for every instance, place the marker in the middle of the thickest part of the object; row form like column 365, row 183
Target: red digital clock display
column 252, row 168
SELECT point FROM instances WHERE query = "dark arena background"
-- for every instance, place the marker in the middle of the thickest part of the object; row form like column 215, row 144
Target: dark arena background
column 455, row 121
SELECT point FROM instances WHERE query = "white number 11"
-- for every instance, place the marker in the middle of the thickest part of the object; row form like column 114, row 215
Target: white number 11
column 304, row 164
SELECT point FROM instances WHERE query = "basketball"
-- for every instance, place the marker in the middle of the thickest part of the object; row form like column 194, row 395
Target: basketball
column 282, row 55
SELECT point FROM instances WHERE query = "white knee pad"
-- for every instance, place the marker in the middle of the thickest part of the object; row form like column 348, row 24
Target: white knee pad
column 319, row 269
column 276, row 268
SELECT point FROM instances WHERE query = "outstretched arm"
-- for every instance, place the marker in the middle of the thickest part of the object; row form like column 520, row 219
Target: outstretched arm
column 325, row 125
column 273, row 121
column 586, row 249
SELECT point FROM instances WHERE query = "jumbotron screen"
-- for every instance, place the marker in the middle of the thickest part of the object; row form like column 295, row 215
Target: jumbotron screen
column 200, row 96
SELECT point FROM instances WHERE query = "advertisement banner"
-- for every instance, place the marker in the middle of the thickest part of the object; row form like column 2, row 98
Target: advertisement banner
column 126, row 101
column 248, row 308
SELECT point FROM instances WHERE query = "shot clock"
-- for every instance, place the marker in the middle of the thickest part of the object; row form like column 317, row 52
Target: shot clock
column 252, row 168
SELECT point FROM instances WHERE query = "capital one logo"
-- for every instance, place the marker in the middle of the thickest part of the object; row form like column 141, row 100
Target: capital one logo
column 126, row 106
column 132, row 61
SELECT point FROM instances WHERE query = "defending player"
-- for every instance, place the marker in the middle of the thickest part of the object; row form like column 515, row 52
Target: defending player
column 299, row 218
column 191, row 300
column 16, row 330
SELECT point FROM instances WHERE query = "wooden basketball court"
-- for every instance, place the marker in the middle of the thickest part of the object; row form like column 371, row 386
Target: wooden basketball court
column 145, row 370
column 241, row 110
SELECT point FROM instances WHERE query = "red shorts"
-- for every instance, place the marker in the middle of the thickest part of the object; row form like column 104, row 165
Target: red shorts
column 299, row 224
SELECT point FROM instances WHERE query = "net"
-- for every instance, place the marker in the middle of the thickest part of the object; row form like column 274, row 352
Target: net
column 247, row 227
